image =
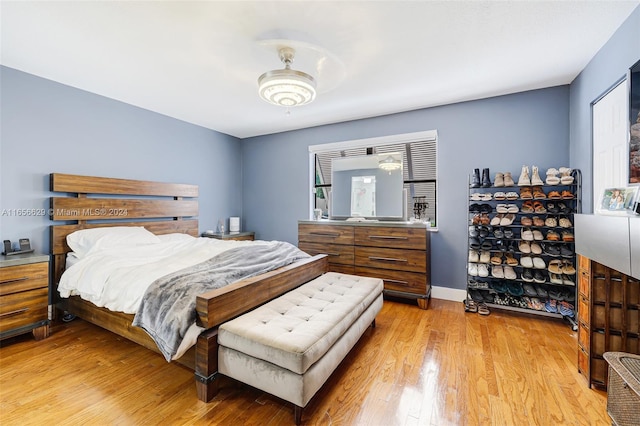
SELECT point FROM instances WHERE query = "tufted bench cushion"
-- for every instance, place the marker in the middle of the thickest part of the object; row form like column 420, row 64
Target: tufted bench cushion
column 298, row 328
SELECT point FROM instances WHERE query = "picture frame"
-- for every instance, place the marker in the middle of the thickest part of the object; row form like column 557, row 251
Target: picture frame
column 618, row 201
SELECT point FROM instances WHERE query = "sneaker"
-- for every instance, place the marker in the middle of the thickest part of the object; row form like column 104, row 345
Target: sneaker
column 555, row 278
column 527, row 275
column 473, row 256
column 483, row 270
column 565, row 251
column 538, row 277
column 473, row 269
column 551, row 250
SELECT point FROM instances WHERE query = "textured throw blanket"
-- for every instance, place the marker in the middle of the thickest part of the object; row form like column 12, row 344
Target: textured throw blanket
column 168, row 307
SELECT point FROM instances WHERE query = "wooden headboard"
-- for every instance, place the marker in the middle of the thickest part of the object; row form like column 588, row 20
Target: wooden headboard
column 94, row 202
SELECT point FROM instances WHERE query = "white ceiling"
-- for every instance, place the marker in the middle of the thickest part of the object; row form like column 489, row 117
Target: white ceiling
column 199, row 61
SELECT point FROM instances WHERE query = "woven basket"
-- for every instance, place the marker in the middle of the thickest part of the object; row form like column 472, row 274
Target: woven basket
column 623, row 391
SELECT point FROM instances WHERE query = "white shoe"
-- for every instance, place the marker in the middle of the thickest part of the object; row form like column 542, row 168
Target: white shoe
column 473, row 256
column 483, row 271
column 538, row 263
column 565, row 176
column 485, row 256
column 509, row 273
column 497, row 272
column 552, row 177
column 473, row 269
column 524, row 177
column 535, row 177
column 508, row 180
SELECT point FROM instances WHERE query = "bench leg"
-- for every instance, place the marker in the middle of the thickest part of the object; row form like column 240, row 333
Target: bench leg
column 207, row 365
column 373, row 323
column 297, row 414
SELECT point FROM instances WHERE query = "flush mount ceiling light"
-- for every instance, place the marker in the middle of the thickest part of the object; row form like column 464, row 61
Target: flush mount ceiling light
column 390, row 163
column 287, row 87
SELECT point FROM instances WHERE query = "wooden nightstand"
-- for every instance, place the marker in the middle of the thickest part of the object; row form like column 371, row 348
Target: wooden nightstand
column 250, row 236
column 24, row 295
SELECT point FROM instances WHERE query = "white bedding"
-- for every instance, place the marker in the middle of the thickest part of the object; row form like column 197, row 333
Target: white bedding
column 118, row 278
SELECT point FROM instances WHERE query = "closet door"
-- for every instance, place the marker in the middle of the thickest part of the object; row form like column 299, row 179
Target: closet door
column 610, row 141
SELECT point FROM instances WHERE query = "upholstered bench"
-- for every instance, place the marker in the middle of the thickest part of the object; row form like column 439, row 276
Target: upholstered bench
column 289, row 346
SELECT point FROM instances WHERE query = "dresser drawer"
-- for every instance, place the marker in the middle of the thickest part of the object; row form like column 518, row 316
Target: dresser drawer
column 584, row 264
column 583, row 310
column 388, row 258
column 15, row 279
column 583, row 363
column 409, row 282
column 584, row 336
column 584, row 283
column 391, row 237
column 337, row 253
column 335, row 234
column 24, row 308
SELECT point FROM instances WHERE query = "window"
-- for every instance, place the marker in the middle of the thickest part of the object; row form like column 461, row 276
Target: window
column 419, row 157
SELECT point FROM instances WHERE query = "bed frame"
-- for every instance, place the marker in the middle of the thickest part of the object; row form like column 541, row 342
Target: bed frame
column 162, row 208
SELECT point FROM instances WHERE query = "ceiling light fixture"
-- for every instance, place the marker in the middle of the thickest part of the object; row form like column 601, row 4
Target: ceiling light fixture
column 390, row 164
column 287, row 87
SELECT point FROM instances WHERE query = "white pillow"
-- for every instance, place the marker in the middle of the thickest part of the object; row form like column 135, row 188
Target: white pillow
column 86, row 240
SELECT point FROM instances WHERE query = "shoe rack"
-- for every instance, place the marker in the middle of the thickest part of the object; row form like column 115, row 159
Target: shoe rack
column 521, row 241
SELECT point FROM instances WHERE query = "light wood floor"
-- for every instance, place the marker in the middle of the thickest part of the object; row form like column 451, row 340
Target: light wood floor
column 436, row 367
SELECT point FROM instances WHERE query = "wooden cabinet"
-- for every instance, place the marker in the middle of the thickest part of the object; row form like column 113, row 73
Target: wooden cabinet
column 608, row 318
column 24, row 296
column 397, row 253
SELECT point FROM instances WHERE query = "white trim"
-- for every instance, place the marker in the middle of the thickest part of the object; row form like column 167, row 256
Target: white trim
column 445, row 293
column 428, row 135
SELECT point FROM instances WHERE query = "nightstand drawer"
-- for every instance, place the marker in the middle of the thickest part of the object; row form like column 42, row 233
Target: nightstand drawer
column 14, row 279
column 397, row 259
column 22, row 309
column 390, row 237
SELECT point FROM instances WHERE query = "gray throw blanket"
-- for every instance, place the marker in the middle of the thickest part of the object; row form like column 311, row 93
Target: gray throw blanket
column 168, row 307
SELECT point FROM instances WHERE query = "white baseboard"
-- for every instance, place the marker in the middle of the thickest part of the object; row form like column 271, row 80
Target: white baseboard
column 446, row 293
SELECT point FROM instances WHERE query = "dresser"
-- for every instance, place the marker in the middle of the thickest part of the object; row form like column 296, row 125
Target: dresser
column 398, row 253
column 608, row 318
column 237, row 236
column 24, row 295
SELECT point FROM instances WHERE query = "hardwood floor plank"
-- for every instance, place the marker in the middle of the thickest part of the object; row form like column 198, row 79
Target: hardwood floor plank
column 439, row 366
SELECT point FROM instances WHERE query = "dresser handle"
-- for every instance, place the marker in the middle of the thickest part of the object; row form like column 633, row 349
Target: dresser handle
column 396, row 281
column 387, row 259
column 387, row 237
column 14, row 281
column 333, row 254
column 19, row 311
column 322, row 234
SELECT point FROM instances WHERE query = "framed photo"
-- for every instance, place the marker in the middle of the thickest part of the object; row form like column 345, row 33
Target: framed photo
column 618, row 200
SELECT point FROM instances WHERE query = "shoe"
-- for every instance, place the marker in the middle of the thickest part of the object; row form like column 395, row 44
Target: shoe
column 512, row 208
column 508, row 180
column 563, row 209
column 535, row 176
column 511, row 260
column 496, row 259
column 473, row 269
column 555, row 266
column 555, row 278
column 565, row 176
column 526, row 261
column 502, row 208
column 542, row 291
column 535, row 248
column 483, row 231
column 552, row 207
column 507, row 219
column 538, row 277
column 497, row 272
column 565, row 251
column 498, row 233
column 538, row 263
column 486, row 197
column 495, row 221
column 476, row 196
column 529, row 290
column 486, row 182
column 473, row 231
column 554, row 195
column 527, row 275
column 470, row 305
column 564, row 222
column 473, row 256
column 567, row 195
column 511, row 195
column 551, row 250
column 524, row 247
column 486, row 245
column 475, row 179
column 567, row 236
column 515, row 289
column 499, row 180
column 552, row 176
column 566, row 280
column 537, row 221
column 499, row 196
column 474, row 243
column 526, row 194
column 526, row 221
column 483, row 270
column 508, row 233
column 527, row 207
column 526, row 234
column 510, row 274
column 553, row 236
column 551, row 222
column 537, row 235
column 524, row 177
column 551, row 306
column 484, row 256
column 538, row 193
column 538, row 207
column 567, row 268
column 483, row 309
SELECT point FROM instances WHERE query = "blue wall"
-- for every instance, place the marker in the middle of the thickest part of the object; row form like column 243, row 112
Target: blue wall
column 49, row 127
column 610, row 65
column 501, row 133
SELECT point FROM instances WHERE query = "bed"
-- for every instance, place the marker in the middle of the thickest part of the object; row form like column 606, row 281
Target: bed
column 87, row 202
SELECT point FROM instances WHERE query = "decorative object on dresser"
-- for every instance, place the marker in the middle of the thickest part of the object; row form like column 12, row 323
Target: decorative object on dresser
column 608, row 316
column 521, row 242
column 398, row 253
column 164, row 208
column 24, row 295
